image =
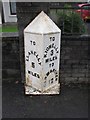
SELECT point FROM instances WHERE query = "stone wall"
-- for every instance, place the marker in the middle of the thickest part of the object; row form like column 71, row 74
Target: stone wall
column 73, row 60
column 10, row 59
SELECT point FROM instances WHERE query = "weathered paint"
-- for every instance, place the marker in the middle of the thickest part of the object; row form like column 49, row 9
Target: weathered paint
column 42, row 56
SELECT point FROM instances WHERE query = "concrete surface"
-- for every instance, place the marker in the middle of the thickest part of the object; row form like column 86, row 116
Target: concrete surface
column 0, row 102
column 0, row 78
column 71, row 103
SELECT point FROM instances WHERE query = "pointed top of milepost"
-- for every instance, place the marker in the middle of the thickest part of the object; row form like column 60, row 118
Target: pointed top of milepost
column 42, row 24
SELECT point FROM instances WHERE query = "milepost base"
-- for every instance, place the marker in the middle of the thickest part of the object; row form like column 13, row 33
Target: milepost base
column 51, row 91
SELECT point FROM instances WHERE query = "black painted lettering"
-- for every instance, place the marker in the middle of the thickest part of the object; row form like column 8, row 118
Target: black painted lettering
column 31, row 52
column 56, row 75
column 34, row 43
column 31, row 42
column 34, row 52
column 50, row 46
column 47, row 60
column 33, row 74
column 55, row 57
column 50, row 59
column 38, row 76
column 28, row 72
column 47, row 48
column 56, row 79
column 45, row 51
column 45, row 55
column 54, row 70
column 39, row 63
column 53, row 45
column 28, row 53
column 51, row 80
column 27, row 58
column 51, row 64
column 57, row 52
column 52, row 52
column 37, row 56
column 38, row 59
column 47, row 73
column 50, row 70
column 33, row 65
column 52, row 38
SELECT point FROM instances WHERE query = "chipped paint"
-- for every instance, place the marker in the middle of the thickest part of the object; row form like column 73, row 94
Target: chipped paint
column 29, row 90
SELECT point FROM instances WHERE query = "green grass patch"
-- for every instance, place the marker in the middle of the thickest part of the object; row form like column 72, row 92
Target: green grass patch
column 9, row 29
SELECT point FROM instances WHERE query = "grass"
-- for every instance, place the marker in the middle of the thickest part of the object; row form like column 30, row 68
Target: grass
column 9, row 29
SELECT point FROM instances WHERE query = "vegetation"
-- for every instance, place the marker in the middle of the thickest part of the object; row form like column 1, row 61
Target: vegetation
column 69, row 20
column 9, row 29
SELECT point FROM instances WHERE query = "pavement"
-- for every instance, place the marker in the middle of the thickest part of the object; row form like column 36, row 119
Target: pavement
column 72, row 102
column 0, row 78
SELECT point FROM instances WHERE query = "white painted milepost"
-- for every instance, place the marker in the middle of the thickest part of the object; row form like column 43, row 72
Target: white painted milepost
column 42, row 40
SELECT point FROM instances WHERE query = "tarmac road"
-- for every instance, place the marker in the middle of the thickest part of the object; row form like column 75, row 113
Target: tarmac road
column 71, row 103
column 0, row 77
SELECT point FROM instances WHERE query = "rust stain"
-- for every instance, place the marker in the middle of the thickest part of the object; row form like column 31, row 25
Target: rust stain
column 28, row 81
